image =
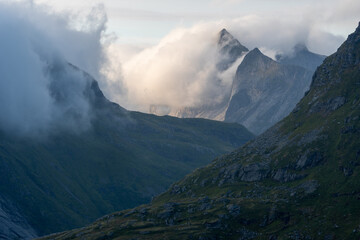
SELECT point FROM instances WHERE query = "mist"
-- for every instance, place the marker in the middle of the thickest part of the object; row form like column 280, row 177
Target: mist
column 40, row 92
column 180, row 71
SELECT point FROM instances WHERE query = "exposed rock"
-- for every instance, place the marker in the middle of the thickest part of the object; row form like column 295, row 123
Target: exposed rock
column 264, row 91
column 214, row 225
column 230, row 48
column 283, row 175
column 301, row 57
column 234, row 210
column 13, row 225
column 249, row 173
column 205, row 204
column 309, row 186
column 349, row 129
column 329, row 106
column 309, row 159
column 336, row 103
column 310, row 137
column 347, row 171
column 168, row 213
column 254, row 172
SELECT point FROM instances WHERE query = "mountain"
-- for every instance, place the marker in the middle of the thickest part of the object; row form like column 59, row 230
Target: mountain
column 265, row 91
column 302, row 57
column 69, row 178
column 230, row 50
column 298, row 180
column 13, row 224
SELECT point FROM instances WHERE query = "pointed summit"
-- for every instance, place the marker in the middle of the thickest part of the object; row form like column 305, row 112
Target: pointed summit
column 301, row 47
column 230, row 48
column 256, row 52
column 264, row 91
column 224, row 37
column 226, row 40
column 256, row 60
column 223, row 33
column 255, row 55
column 301, row 57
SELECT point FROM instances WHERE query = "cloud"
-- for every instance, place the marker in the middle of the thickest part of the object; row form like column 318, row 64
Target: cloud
column 39, row 91
column 180, row 71
column 174, row 71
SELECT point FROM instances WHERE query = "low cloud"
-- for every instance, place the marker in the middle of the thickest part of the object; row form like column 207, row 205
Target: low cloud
column 181, row 70
column 39, row 91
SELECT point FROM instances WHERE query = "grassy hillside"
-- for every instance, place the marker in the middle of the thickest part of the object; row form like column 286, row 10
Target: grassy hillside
column 298, row 180
column 67, row 180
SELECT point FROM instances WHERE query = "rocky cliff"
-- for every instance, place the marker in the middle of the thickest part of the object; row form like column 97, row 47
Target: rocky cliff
column 265, row 91
column 298, row 180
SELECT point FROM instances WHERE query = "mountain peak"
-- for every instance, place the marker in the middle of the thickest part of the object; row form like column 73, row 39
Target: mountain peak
column 355, row 36
column 256, row 55
column 346, row 58
column 256, row 51
column 230, row 48
column 300, row 47
column 223, row 32
column 301, row 56
column 224, row 37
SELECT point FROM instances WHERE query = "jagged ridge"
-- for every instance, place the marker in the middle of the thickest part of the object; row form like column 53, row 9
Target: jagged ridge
column 298, row 180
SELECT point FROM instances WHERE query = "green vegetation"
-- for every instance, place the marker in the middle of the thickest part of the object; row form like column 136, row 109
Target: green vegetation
column 298, row 180
column 68, row 180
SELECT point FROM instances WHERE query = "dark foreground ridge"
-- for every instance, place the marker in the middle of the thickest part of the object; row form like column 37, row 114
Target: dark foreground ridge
column 298, row 180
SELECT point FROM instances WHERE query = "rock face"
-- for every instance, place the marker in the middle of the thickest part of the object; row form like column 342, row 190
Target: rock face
column 298, row 180
column 302, row 57
column 264, row 91
column 230, row 50
column 13, row 225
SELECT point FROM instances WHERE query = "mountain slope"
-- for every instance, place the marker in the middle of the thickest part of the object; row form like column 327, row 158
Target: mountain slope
column 298, row 180
column 265, row 91
column 229, row 50
column 12, row 224
column 69, row 178
column 302, row 57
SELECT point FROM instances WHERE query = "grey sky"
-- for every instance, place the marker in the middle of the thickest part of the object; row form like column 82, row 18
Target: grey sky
column 150, row 20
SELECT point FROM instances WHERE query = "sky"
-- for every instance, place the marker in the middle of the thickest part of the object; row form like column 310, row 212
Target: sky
column 148, row 52
column 147, row 21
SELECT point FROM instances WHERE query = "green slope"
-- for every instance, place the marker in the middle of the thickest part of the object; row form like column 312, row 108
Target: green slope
column 298, row 180
column 67, row 180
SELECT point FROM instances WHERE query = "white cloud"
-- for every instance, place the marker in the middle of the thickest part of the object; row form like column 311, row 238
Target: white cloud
column 39, row 91
column 180, row 71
